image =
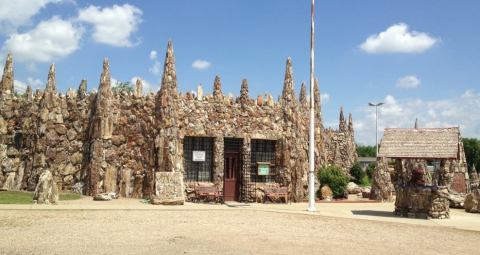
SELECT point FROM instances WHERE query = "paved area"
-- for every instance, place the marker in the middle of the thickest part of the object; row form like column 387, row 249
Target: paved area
column 127, row 226
column 368, row 211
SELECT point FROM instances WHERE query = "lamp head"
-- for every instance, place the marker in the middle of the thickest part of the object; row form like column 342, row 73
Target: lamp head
column 377, row 104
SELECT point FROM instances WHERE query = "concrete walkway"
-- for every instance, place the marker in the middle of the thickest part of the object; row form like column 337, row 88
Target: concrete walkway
column 459, row 219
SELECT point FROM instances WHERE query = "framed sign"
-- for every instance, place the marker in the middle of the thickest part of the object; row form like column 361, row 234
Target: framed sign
column 263, row 168
column 198, row 156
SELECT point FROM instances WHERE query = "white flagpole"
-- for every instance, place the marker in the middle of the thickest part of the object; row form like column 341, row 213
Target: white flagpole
column 311, row 148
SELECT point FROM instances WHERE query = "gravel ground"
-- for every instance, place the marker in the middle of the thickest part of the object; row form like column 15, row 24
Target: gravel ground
column 235, row 231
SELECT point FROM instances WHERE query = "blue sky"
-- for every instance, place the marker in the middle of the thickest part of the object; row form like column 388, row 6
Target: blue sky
column 420, row 57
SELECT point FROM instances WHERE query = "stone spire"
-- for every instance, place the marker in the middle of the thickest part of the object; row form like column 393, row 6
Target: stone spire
column 244, row 92
column 100, row 129
column 217, row 88
column 342, row 126
column 82, row 90
column 28, row 93
column 350, row 123
column 138, row 88
column 303, row 95
column 105, row 88
column 199, row 92
column 288, row 94
column 51, row 82
column 169, row 78
column 416, row 123
column 7, row 79
column 317, row 99
column 474, row 180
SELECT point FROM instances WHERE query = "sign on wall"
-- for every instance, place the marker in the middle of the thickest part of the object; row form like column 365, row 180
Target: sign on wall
column 198, row 156
column 263, row 168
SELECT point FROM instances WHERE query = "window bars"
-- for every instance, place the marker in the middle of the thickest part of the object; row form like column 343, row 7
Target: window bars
column 199, row 171
column 262, row 151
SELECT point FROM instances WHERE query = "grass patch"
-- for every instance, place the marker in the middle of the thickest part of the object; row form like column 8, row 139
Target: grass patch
column 69, row 196
column 16, row 197
column 24, row 197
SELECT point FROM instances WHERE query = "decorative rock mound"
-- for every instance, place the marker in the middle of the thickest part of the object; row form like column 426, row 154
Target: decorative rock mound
column 353, row 188
column 326, row 193
column 382, row 187
column 472, row 202
column 105, row 196
column 46, row 191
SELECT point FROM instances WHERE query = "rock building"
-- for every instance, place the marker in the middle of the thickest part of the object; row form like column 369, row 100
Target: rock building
column 118, row 140
column 430, row 170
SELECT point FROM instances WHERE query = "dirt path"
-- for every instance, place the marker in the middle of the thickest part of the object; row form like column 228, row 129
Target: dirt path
column 233, row 231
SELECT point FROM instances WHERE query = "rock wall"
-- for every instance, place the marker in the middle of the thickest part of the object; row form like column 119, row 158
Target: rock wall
column 116, row 140
column 417, row 191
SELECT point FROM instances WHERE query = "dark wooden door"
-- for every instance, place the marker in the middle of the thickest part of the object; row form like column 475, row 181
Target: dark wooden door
column 232, row 169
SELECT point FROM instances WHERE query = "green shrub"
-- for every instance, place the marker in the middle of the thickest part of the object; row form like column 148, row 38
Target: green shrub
column 365, row 181
column 334, row 178
column 357, row 173
column 370, row 170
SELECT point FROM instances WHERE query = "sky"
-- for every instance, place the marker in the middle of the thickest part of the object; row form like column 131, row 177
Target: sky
column 421, row 58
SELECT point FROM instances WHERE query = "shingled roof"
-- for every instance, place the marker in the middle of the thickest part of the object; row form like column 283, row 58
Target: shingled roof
column 434, row 143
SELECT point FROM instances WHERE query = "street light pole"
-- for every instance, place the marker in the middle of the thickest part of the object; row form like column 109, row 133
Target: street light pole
column 311, row 148
column 376, row 124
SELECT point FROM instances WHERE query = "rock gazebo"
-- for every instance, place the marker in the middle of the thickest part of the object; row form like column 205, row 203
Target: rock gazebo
column 429, row 166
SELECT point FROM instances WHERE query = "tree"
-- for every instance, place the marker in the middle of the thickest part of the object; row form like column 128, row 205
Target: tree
column 472, row 151
column 366, row 151
column 370, row 170
column 357, row 173
column 121, row 86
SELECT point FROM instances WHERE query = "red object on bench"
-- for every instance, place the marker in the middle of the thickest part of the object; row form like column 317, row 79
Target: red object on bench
column 208, row 193
column 273, row 194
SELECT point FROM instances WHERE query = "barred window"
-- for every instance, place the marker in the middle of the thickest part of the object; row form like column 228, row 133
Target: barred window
column 262, row 151
column 198, row 170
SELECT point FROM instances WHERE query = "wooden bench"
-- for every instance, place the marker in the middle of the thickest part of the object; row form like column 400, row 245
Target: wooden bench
column 208, row 194
column 274, row 194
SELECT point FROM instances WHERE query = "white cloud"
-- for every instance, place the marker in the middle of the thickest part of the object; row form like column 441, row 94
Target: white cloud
column 398, row 39
column 113, row 82
column 147, row 86
column 112, row 25
column 153, row 55
column 35, row 83
column 324, row 98
column 461, row 110
column 200, row 64
column 14, row 14
column 50, row 40
column 156, row 68
column 21, row 86
column 408, row 82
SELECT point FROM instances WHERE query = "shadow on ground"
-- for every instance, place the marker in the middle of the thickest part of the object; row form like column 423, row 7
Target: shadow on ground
column 375, row 213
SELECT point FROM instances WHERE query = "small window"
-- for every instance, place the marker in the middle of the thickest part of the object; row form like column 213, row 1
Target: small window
column 198, row 158
column 263, row 151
